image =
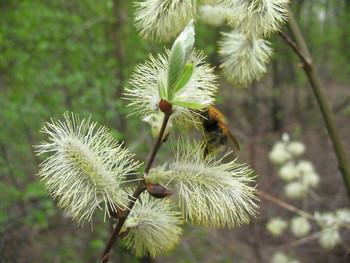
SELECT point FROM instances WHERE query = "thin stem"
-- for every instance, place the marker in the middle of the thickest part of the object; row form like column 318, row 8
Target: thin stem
column 300, row 241
column 287, row 206
column 139, row 189
column 158, row 143
column 302, row 50
column 292, row 44
column 294, row 209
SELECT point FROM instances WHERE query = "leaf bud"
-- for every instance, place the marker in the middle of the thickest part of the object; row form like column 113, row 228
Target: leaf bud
column 157, row 190
column 165, row 106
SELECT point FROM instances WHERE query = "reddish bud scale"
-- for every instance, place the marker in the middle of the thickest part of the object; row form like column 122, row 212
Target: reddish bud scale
column 165, row 106
column 157, row 191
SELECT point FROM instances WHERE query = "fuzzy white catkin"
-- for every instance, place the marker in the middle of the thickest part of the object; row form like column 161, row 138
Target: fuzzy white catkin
column 343, row 215
column 326, row 219
column 86, row 169
column 329, row 238
column 144, row 94
column 154, row 226
column 243, row 59
column 295, row 190
column 305, row 167
column 296, row 148
column 214, row 15
column 311, row 179
column 209, row 192
column 279, row 153
column 285, row 137
column 276, row 226
column 300, row 226
column 288, row 172
column 163, row 20
column 280, row 257
column 257, row 17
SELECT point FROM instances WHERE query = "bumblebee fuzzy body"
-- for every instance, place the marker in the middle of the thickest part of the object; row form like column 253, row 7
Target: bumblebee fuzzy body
column 216, row 131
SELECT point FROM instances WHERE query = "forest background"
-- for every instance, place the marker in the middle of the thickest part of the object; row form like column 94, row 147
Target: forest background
column 58, row 56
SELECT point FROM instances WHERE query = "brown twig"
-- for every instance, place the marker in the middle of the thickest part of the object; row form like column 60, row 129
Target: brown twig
column 294, row 209
column 291, row 43
column 139, row 189
column 158, row 143
column 300, row 241
column 285, row 205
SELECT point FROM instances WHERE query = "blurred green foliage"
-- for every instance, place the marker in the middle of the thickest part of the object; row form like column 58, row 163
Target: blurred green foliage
column 57, row 56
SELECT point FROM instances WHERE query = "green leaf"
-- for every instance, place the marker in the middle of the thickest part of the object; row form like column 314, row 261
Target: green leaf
column 179, row 55
column 187, row 38
column 176, row 64
column 185, row 77
column 188, row 104
column 162, row 91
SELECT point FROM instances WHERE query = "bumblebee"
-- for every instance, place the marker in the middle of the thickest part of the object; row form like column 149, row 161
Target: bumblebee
column 215, row 131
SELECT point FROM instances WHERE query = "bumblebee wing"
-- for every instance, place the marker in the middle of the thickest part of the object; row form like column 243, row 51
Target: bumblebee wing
column 233, row 138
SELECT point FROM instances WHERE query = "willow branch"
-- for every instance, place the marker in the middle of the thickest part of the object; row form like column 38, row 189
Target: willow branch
column 139, row 189
column 287, row 206
column 294, row 209
column 301, row 49
column 301, row 241
column 291, row 43
column 158, row 144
